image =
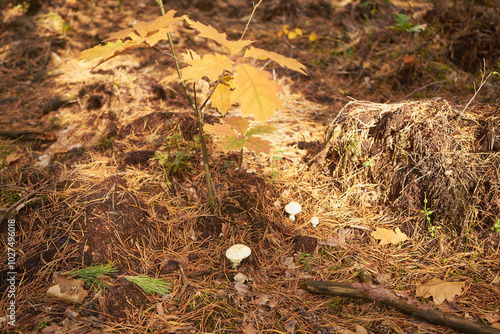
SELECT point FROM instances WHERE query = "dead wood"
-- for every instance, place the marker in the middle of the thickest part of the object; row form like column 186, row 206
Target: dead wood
column 398, row 300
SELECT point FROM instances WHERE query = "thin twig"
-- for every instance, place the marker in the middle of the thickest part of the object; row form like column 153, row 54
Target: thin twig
column 476, row 91
column 423, row 87
column 184, row 286
column 250, row 19
column 22, row 201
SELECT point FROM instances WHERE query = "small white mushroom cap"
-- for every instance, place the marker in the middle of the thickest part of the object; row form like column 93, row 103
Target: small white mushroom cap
column 292, row 209
column 236, row 253
column 314, row 221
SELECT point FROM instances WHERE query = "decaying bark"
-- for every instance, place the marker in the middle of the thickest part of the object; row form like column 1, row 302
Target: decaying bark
column 400, row 301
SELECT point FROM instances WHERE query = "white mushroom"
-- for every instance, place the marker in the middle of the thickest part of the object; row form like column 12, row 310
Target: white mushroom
column 314, row 221
column 292, row 209
column 236, row 253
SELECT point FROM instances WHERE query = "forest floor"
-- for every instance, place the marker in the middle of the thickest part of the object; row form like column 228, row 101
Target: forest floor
column 392, row 141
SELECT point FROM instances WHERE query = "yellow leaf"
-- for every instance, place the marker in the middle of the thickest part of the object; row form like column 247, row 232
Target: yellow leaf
column 229, row 80
column 221, row 98
column 298, row 31
column 190, row 56
column 389, row 237
column 209, row 32
column 141, row 28
column 281, row 60
column 211, row 66
column 165, row 21
column 126, row 39
column 169, row 79
column 285, row 29
column 107, row 51
column 239, row 124
column 255, row 93
column 258, row 145
column 292, row 35
column 280, row 33
column 161, row 34
column 312, row 37
column 122, row 34
column 220, row 130
column 439, row 290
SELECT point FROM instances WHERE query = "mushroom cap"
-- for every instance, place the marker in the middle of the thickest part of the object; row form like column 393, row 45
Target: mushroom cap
column 293, row 208
column 238, row 252
column 314, row 221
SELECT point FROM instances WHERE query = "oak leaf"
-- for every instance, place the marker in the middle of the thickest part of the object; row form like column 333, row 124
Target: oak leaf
column 68, row 290
column 388, row 236
column 219, row 129
column 126, row 39
column 107, row 51
column 210, row 32
column 258, row 145
column 255, row 92
column 239, row 124
column 211, row 66
column 168, row 79
column 236, row 134
column 221, row 98
column 247, row 328
column 165, row 21
column 439, row 290
column 283, row 61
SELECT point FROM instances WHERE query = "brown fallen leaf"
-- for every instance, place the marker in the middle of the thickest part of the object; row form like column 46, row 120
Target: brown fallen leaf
column 50, row 329
column 491, row 318
column 13, row 157
column 387, row 236
column 290, row 325
column 241, row 288
column 247, row 328
column 240, row 278
column 224, row 230
column 439, row 290
column 68, row 290
column 261, row 300
column 333, row 242
column 361, row 330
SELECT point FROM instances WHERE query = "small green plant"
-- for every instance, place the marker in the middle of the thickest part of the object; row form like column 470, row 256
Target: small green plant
column 105, row 143
column 10, row 196
column 175, row 155
column 428, row 212
column 433, row 229
column 150, row 285
column 403, row 24
column 94, row 274
column 469, row 226
column 496, row 227
column 274, row 158
column 5, row 151
column 304, row 258
column 336, row 302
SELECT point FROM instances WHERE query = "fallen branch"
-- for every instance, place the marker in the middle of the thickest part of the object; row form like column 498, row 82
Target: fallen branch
column 400, row 301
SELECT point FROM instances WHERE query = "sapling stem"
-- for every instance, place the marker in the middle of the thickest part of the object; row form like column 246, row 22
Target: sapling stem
column 199, row 116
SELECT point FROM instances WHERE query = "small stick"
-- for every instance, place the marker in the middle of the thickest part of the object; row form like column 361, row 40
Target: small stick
column 400, row 301
column 21, row 202
column 184, row 286
column 250, row 19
